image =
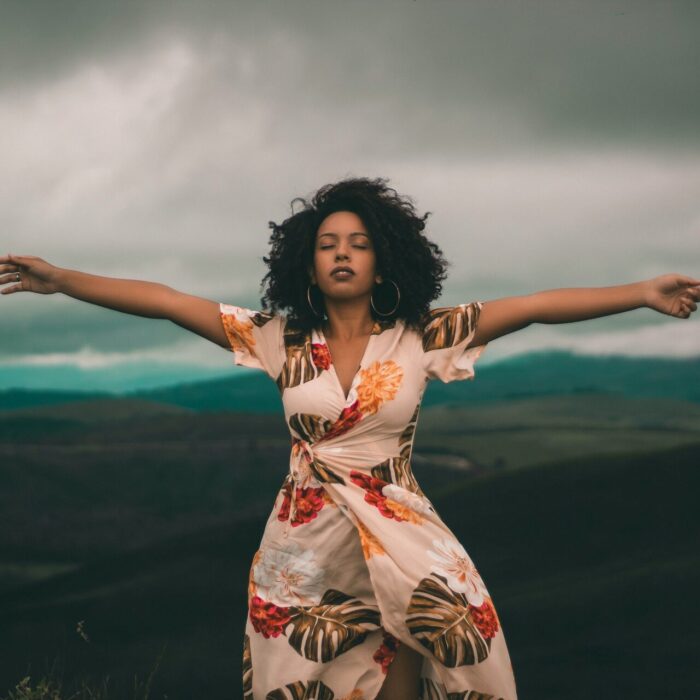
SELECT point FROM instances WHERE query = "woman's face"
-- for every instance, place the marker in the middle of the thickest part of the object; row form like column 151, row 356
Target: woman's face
column 343, row 241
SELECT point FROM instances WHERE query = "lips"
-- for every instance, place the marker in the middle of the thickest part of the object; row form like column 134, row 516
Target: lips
column 335, row 270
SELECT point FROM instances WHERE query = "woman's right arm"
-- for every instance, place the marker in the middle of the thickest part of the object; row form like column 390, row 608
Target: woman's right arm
column 149, row 299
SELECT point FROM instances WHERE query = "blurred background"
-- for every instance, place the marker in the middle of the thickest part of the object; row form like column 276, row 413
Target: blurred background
column 556, row 145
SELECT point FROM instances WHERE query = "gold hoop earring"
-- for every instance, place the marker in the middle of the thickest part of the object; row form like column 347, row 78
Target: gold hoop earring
column 308, row 298
column 398, row 299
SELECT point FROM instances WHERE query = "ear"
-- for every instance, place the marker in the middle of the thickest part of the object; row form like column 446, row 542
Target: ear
column 378, row 279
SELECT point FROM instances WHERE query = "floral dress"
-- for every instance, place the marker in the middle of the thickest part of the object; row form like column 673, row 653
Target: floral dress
column 355, row 560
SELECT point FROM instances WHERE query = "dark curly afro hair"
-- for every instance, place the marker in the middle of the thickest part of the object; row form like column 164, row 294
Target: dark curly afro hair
column 403, row 252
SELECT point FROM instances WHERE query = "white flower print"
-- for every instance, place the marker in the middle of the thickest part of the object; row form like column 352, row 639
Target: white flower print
column 289, row 577
column 407, row 499
column 456, row 566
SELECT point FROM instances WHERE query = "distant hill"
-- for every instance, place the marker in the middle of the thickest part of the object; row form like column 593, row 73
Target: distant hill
column 529, row 375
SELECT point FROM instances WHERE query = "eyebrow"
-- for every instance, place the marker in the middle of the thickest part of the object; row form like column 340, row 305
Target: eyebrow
column 355, row 233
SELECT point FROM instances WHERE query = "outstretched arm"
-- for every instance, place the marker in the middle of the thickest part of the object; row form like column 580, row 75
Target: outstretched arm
column 140, row 298
column 671, row 294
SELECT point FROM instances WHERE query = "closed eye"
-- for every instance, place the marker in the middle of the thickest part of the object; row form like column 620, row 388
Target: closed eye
column 361, row 247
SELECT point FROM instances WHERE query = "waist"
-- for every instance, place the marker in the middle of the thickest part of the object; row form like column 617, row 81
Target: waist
column 317, row 464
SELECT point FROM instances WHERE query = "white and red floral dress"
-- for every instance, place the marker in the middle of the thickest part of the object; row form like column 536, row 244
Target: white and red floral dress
column 354, row 560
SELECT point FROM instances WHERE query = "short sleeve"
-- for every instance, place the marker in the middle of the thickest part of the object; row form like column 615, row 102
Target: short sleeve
column 255, row 337
column 447, row 332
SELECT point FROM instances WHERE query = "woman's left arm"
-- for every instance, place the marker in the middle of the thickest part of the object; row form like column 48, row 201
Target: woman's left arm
column 672, row 294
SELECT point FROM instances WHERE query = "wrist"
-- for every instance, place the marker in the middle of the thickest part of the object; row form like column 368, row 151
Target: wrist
column 60, row 279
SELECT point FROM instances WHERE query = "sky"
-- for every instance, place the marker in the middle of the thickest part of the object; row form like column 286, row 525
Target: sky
column 555, row 143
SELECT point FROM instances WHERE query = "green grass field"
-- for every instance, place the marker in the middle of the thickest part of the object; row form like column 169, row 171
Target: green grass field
column 143, row 527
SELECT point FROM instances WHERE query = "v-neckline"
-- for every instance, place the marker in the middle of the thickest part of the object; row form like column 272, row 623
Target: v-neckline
column 322, row 338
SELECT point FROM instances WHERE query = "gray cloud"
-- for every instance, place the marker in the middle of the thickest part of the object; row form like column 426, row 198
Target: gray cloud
column 556, row 69
column 556, row 143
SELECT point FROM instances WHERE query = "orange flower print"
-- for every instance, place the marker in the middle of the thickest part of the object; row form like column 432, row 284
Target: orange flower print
column 356, row 694
column 320, row 355
column 240, row 333
column 402, row 512
column 485, row 618
column 370, row 544
column 387, row 651
column 267, row 618
column 378, row 384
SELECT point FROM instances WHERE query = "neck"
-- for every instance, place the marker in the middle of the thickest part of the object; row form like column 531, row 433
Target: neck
column 347, row 326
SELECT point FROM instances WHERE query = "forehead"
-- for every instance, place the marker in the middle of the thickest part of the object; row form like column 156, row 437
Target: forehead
column 342, row 223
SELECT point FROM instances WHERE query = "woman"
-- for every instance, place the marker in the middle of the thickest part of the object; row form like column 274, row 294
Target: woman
column 358, row 589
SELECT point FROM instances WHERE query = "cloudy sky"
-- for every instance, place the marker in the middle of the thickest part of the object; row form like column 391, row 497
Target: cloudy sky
column 555, row 143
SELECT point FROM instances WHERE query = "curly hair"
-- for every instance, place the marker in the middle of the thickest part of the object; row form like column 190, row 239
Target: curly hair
column 403, row 253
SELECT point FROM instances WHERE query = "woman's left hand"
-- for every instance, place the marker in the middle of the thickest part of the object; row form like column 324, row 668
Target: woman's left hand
column 672, row 294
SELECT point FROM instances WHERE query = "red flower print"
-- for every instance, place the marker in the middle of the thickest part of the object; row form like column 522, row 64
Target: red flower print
column 349, row 417
column 309, row 502
column 286, row 502
column 268, row 618
column 485, row 618
column 387, row 651
column 373, row 492
column 320, row 355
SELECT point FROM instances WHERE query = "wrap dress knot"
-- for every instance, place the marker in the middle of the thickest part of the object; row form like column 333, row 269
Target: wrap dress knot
column 354, row 560
column 301, row 460
column 310, row 464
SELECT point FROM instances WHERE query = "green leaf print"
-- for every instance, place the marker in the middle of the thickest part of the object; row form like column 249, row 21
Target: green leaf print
column 247, row 670
column 324, row 473
column 313, row 690
column 338, row 623
column 260, row 318
column 299, row 366
column 430, row 690
column 396, row 470
column 440, row 620
column 406, row 437
column 309, row 426
column 446, row 326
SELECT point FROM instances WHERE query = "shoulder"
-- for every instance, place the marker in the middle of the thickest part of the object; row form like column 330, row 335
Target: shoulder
column 445, row 326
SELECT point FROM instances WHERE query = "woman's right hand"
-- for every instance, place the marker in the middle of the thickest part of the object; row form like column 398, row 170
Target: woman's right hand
column 35, row 274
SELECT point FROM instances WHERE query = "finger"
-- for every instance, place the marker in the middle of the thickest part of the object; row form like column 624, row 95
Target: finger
column 6, row 279
column 12, row 289
column 19, row 260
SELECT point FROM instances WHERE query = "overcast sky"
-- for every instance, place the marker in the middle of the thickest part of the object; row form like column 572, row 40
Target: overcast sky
column 556, row 144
